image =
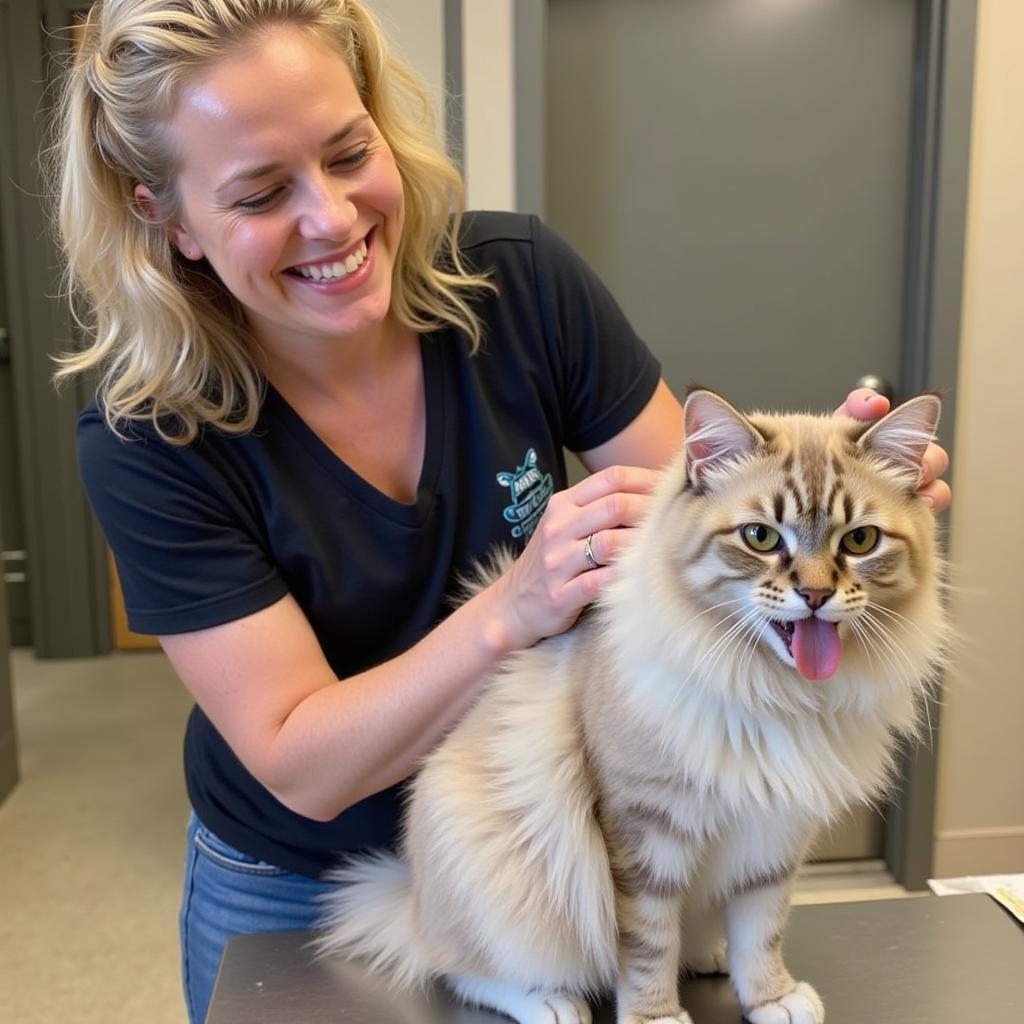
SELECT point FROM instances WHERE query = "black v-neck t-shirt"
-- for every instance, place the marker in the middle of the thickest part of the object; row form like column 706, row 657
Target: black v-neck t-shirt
column 210, row 532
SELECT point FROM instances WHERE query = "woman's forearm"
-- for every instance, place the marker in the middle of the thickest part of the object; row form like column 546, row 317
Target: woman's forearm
column 344, row 742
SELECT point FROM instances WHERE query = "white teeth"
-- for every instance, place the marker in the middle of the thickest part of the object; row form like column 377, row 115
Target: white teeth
column 336, row 270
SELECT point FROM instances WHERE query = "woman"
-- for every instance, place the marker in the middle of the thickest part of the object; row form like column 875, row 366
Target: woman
column 321, row 399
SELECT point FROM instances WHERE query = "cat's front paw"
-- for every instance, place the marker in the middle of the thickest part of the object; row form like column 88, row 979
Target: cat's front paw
column 801, row 1006
column 682, row 1017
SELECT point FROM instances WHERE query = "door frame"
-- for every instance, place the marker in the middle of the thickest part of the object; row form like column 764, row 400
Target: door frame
column 933, row 296
column 937, row 182
column 67, row 589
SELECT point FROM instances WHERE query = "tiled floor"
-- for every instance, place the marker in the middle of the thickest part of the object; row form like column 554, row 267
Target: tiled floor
column 91, row 846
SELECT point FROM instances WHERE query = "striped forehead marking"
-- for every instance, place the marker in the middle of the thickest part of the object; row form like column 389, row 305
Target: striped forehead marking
column 813, row 487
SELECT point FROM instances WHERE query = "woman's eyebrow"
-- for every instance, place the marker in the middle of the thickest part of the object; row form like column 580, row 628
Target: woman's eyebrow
column 252, row 173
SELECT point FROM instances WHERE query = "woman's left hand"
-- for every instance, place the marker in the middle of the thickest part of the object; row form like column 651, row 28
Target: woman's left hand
column 865, row 404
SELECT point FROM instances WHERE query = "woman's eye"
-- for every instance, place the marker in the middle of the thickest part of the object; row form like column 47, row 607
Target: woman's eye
column 860, row 541
column 760, row 537
column 352, row 159
column 258, row 202
column 346, row 162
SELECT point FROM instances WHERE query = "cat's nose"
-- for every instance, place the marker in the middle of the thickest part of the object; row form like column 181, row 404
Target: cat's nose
column 815, row 598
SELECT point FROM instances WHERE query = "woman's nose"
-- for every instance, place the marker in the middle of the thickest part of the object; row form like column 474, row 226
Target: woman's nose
column 327, row 212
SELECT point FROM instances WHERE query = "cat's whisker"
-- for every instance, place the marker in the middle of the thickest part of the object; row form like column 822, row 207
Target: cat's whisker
column 912, row 676
column 726, row 618
column 886, row 658
column 883, row 636
column 716, row 646
column 888, row 638
column 960, row 588
column 736, row 635
column 887, row 630
column 872, row 608
column 769, row 697
column 941, row 651
column 901, row 619
column 956, row 569
column 721, row 604
column 747, row 631
column 755, row 626
column 865, row 642
column 876, row 641
column 747, row 616
column 738, row 625
column 752, row 644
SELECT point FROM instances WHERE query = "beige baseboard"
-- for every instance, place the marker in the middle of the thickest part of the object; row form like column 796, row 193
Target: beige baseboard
column 986, row 851
column 8, row 764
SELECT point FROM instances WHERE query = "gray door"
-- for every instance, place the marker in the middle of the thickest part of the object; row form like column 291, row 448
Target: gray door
column 737, row 172
column 13, row 563
column 66, row 573
column 13, row 555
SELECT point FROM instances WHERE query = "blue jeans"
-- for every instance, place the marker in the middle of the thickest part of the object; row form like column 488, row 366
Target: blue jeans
column 227, row 893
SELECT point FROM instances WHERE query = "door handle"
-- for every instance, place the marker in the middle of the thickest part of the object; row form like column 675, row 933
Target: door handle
column 877, row 383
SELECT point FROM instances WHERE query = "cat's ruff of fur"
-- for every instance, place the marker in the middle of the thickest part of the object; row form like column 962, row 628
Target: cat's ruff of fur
column 632, row 755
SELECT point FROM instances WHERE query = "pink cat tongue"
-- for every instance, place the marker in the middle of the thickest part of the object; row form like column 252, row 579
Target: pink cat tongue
column 816, row 648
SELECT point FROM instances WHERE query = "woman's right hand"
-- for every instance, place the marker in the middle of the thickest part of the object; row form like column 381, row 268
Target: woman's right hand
column 551, row 582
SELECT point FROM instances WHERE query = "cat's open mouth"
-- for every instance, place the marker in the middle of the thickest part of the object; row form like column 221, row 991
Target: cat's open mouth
column 785, row 632
column 812, row 643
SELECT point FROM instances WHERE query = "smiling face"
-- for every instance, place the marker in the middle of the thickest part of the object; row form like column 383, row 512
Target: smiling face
column 288, row 190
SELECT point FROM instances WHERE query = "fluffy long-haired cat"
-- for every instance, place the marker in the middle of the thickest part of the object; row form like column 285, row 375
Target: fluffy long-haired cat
column 636, row 795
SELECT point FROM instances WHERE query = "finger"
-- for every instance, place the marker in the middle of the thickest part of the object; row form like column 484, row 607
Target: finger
column 582, row 589
column 613, row 510
column 864, row 404
column 593, row 552
column 936, row 495
column 934, row 463
column 628, row 479
column 607, row 545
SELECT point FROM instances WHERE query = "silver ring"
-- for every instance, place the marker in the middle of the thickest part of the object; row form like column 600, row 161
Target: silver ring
column 588, row 554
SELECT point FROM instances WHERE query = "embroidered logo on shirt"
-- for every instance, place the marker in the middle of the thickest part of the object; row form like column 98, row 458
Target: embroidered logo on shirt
column 530, row 490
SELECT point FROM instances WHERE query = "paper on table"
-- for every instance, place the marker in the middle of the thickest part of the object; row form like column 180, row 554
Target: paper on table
column 1007, row 889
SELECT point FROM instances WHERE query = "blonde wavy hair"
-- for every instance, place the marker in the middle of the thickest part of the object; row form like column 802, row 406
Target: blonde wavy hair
column 168, row 340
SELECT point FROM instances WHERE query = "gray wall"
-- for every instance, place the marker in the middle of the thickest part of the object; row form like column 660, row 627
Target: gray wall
column 980, row 807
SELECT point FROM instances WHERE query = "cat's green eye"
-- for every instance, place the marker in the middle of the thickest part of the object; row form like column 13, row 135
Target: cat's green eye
column 760, row 537
column 860, row 541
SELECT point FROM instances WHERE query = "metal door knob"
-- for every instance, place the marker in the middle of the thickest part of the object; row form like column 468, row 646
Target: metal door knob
column 877, row 383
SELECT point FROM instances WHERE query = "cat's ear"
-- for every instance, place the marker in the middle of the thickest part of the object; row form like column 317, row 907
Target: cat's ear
column 715, row 434
column 901, row 437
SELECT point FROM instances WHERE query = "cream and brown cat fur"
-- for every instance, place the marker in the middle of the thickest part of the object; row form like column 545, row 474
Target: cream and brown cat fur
column 636, row 795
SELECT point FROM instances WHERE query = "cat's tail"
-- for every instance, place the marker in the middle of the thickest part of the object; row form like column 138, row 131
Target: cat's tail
column 368, row 915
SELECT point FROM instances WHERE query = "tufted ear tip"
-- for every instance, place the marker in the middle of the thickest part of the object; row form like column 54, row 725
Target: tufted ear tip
column 715, row 433
column 901, row 437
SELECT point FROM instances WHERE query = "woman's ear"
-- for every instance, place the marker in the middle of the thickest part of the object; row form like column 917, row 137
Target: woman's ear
column 177, row 232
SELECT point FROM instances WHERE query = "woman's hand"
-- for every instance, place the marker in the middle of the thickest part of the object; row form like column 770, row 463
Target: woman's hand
column 551, row 582
column 865, row 404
